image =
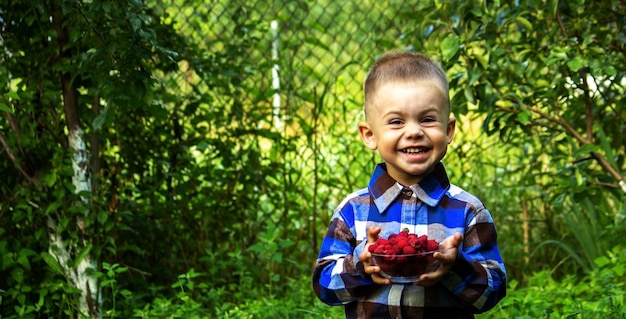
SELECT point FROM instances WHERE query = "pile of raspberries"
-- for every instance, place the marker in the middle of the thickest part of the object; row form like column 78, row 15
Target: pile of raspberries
column 403, row 254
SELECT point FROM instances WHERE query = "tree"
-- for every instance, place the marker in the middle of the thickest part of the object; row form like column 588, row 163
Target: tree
column 81, row 58
column 547, row 78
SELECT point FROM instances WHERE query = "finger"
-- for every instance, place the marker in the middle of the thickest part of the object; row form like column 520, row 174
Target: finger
column 455, row 240
column 374, row 271
column 376, row 278
column 372, row 234
column 452, row 241
column 426, row 280
column 365, row 256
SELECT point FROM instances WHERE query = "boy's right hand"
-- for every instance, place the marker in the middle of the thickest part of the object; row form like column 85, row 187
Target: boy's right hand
column 365, row 257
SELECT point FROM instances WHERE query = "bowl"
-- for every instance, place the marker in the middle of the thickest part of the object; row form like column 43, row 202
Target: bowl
column 405, row 268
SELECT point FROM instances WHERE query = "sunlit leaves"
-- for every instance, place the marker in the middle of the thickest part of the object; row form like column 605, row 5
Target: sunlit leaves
column 449, row 47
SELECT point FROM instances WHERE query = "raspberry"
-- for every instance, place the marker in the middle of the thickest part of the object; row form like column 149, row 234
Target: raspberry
column 402, row 242
column 372, row 247
column 399, row 254
column 379, row 250
column 421, row 243
column 432, row 245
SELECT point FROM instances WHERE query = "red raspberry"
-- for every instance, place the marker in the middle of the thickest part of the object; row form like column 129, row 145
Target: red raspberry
column 402, row 242
column 422, row 242
column 432, row 245
column 408, row 250
column 371, row 248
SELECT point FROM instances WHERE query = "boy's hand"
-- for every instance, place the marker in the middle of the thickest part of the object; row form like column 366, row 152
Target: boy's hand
column 365, row 258
column 446, row 258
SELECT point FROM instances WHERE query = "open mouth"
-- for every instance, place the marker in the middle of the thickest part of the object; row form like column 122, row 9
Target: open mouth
column 415, row 150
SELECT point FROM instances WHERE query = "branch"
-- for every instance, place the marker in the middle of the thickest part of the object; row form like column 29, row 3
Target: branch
column 7, row 149
column 560, row 22
column 610, row 169
column 561, row 122
column 610, row 102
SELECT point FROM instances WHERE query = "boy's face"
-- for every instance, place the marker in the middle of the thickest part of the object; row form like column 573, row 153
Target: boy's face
column 410, row 126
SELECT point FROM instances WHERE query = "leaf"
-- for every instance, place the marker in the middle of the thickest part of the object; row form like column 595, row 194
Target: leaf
column 576, row 63
column 22, row 257
column 554, row 6
column 53, row 263
column 449, row 47
column 586, row 149
column 525, row 23
column 12, row 95
column 99, row 121
column 83, row 253
column 602, row 261
column 605, row 145
column 5, row 108
column 469, row 95
column 102, row 216
column 52, row 208
column 50, row 178
column 524, row 117
column 610, row 70
column 620, row 216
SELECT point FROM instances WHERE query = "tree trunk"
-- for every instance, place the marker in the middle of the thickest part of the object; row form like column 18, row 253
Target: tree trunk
column 82, row 273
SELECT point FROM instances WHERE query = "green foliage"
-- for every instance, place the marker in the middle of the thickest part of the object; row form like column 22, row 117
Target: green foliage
column 200, row 301
column 599, row 294
column 541, row 77
column 192, row 170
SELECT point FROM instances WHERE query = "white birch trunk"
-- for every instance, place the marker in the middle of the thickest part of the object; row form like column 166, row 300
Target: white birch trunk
column 82, row 274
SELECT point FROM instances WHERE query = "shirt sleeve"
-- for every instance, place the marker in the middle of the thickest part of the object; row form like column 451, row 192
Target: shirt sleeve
column 478, row 277
column 338, row 275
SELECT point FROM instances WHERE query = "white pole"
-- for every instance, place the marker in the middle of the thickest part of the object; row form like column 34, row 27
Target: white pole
column 275, row 78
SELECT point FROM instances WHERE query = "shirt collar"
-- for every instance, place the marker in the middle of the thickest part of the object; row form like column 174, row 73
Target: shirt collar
column 384, row 189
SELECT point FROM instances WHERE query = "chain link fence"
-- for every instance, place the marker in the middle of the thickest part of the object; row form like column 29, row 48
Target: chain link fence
column 307, row 61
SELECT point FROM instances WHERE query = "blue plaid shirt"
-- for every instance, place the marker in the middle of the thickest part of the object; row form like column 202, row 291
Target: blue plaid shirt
column 434, row 207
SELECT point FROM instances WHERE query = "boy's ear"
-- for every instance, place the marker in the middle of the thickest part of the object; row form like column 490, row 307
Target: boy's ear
column 367, row 136
column 450, row 128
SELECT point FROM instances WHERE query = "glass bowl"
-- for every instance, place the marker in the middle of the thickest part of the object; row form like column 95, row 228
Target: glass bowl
column 405, row 268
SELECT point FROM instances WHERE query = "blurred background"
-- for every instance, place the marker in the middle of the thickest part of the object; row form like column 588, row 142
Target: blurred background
column 182, row 159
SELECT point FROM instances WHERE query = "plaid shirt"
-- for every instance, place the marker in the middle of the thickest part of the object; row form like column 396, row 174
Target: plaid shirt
column 476, row 282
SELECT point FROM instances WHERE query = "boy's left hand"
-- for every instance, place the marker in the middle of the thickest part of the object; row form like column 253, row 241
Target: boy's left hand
column 446, row 258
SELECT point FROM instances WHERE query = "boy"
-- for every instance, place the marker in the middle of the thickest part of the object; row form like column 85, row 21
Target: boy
column 408, row 120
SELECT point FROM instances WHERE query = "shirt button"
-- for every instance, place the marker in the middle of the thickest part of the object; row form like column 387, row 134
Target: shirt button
column 407, row 192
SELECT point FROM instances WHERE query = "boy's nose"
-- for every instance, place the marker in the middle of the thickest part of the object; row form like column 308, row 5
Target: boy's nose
column 414, row 130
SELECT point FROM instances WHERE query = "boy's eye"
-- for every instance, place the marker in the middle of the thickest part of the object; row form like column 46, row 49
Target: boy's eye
column 429, row 119
column 395, row 122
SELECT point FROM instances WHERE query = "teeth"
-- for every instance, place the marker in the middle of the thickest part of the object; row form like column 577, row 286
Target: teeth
column 414, row 150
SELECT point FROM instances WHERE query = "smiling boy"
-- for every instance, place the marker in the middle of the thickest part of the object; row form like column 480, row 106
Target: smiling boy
column 409, row 123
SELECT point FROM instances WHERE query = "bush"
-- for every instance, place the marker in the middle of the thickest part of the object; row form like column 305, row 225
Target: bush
column 600, row 294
